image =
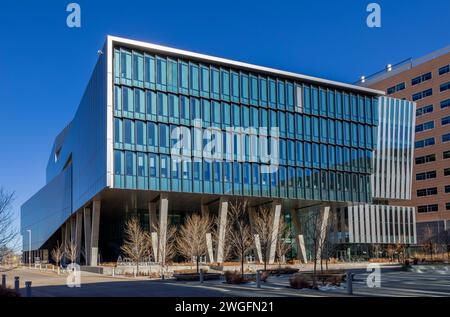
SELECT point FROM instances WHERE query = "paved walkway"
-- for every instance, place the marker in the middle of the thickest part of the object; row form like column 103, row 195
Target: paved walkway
column 393, row 283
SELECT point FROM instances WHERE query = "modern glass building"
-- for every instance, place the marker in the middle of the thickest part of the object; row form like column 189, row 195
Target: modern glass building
column 162, row 132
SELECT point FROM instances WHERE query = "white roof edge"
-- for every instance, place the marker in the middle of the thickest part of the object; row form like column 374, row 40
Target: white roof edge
column 219, row 60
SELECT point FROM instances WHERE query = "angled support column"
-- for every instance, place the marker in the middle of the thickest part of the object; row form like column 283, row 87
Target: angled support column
column 223, row 210
column 67, row 233
column 87, row 234
column 335, row 226
column 252, row 215
column 324, row 215
column 301, row 247
column 209, row 245
column 343, row 226
column 95, row 231
column 163, row 211
column 210, row 254
column 78, row 228
column 72, row 229
column 63, row 235
column 276, row 210
column 152, row 219
column 301, row 251
column 204, row 210
column 153, row 224
column 154, row 236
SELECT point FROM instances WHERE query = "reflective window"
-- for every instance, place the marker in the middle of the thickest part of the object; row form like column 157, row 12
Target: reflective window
column 204, row 70
column 263, row 92
column 161, row 73
column 281, row 95
column 184, row 77
column 174, row 115
column 172, row 75
column 149, row 72
column 152, row 135
column 234, row 86
column 138, row 69
column 139, row 104
column 244, row 88
column 193, row 79
column 225, row 84
column 272, row 93
column 215, row 83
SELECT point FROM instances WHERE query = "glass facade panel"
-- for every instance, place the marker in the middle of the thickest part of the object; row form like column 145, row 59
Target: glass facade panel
column 323, row 131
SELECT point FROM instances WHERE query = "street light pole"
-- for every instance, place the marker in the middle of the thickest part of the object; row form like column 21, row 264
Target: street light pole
column 29, row 248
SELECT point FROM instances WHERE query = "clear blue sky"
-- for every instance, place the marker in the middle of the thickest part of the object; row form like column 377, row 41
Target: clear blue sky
column 45, row 65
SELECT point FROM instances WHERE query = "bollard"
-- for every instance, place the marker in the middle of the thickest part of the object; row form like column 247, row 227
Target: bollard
column 258, row 279
column 113, row 273
column 16, row 283
column 4, row 280
column 202, row 276
column 28, row 288
column 349, row 283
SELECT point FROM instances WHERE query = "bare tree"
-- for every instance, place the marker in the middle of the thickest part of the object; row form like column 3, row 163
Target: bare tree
column 446, row 243
column 71, row 251
column 227, row 245
column 191, row 240
column 429, row 239
column 327, row 243
column 57, row 254
column 282, row 247
column 136, row 242
column 240, row 235
column 390, row 251
column 263, row 227
column 313, row 231
column 400, row 250
column 169, row 249
column 8, row 231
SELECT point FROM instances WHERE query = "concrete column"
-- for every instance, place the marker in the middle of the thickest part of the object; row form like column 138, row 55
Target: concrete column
column 153, row 220
column 210, row 254
column 209, row 245
column 163, row 211
column 276, row 210
column 204, row 210
column 78, row 228
column 72, row 229
column 63, row 234
column 335, row 226
column 95, row 231
column 301, row 248
column 252, row 216
column 87, row 234
column 258, row 248
column 343, row 225
column 154, row 236
column 67, row 233
column 297, row 230
column 223, row 210
column 324, row 215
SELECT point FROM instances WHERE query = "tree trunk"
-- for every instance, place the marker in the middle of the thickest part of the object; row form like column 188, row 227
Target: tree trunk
column 198, row 264
column 315, row 271
column 242, row 264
